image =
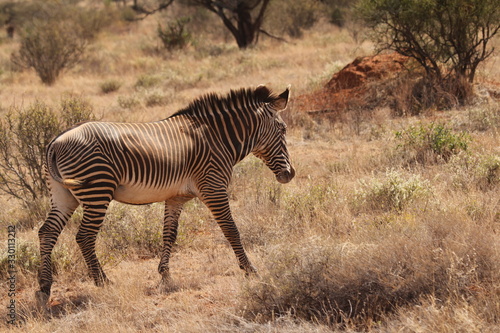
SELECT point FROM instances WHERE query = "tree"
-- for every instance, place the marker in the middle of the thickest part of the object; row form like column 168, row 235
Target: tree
column 243, row 18
column 146, row 8
column 448, row 38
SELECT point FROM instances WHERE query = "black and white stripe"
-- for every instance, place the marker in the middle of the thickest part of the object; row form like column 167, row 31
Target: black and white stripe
column 190, row 154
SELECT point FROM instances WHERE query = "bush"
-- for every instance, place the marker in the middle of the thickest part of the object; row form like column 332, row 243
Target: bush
column 132, row 230
column 155, row 98
column 24, row 134
column 355, row 286
column 293, row 17
column 430, row 144
column 55, row 37
column 147, row 81
column 128, row 102
column 49, row 47
column 175, row 36
column 110, row 86
column 475, row 171
column 394, row 192
column 76, row 109
column 26, row 262
column 484, row 117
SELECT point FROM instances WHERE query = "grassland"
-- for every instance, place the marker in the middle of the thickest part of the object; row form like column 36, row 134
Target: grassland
column 379, row 231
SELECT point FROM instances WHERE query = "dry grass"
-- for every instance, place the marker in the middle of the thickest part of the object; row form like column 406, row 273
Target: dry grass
column 360, row 240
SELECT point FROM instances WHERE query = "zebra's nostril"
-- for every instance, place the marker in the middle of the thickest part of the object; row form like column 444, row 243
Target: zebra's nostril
column 285, row 176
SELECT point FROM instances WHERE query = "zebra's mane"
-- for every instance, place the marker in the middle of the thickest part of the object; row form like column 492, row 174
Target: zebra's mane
column 212, row 103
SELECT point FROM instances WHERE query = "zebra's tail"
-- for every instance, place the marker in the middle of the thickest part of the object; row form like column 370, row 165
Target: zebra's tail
column 53, row 170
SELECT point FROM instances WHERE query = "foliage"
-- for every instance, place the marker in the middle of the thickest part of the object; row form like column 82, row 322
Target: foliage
column 155, row 98
column 293, row 17
column 130, row 229
column 27, row 259
column 484, row 117
column 475, row 171
column 339, row 10
column 175, row 36
column 352, row 286
column 394, row 192
column 49, row 48
column 430, row 144
column 128, row 102
column 447, row 38
column 243, row 18
column 55, row 38
column 24, row 134
column 110, row 86
column 75, row 109
column 147, row 81
column 144, row 8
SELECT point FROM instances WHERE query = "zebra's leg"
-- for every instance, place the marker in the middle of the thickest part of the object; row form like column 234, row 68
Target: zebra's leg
column 218, row 203
column 63, row 204
column 173, row 208
column 93, row 216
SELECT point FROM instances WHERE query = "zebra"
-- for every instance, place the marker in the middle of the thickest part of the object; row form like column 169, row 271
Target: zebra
column 189, row 154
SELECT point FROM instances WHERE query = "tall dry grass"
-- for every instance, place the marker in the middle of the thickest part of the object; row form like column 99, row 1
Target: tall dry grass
column 375, row 233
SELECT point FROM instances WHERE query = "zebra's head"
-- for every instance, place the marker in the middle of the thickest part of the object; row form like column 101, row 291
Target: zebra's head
column 271, row 146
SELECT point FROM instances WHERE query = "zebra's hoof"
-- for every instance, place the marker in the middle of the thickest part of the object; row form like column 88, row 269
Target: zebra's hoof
column 167, row 286
column 250, row 271
column 42, row 299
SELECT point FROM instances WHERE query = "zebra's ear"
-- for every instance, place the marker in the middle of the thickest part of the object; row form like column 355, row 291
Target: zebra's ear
column 263, row 93
column 281, row 102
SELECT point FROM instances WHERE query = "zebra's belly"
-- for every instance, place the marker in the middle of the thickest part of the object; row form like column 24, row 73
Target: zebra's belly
column 140, row 194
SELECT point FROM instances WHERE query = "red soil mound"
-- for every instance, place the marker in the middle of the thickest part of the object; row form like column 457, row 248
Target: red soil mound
column 356, row 85
column 364, row 69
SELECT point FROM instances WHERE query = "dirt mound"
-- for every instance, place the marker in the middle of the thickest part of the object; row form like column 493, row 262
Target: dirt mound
column 365, row 69
column 361, row 83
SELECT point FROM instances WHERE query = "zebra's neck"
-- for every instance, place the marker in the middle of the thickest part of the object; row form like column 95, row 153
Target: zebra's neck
column 235, row 120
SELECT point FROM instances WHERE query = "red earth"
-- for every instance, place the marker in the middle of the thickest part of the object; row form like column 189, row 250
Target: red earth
column 350, row 87
column 368, row 83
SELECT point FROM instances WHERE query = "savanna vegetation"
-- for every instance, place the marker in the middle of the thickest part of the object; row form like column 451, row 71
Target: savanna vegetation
column 391, row 223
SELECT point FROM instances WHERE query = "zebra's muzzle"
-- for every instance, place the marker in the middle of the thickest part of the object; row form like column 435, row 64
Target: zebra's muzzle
column 285, row 175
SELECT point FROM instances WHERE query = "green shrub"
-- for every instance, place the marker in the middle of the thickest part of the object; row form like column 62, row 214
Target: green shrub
column 430, row 144
column 293, row 17
column 76, row 109
column 128, row 102
column 110, row 86
column 155, row 98
column 445, row 39
column 475, row 171
column 131, row 230
column 175, row 36
column 147, row 81
column 394, row 192
column 484, row 117
column 24, row 135
column 27, row 259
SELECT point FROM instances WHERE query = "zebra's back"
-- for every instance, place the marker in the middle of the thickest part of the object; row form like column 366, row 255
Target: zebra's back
column 147, row 162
